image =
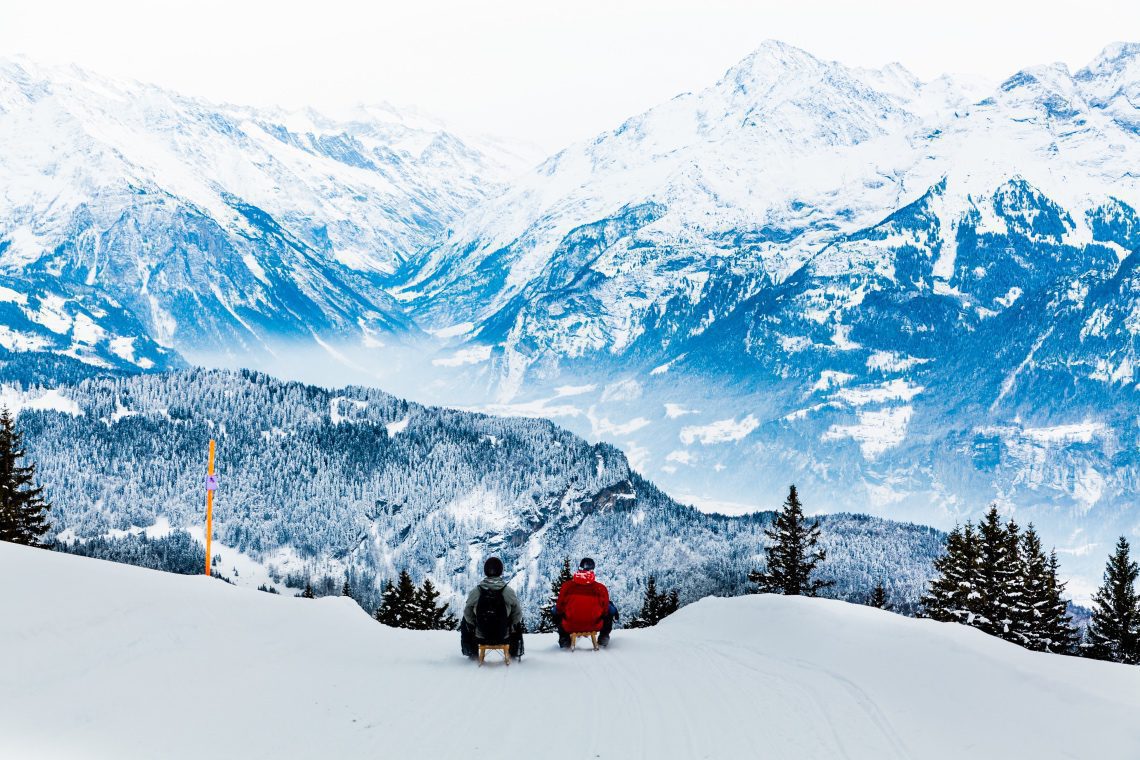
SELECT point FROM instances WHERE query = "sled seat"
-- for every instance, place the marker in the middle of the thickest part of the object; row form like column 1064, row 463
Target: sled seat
column 591, row 635
column 504, row 648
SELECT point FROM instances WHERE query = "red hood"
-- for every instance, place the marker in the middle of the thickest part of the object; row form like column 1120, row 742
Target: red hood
column 583, row 576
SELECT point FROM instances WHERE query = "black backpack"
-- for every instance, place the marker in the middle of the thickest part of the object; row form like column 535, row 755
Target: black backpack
column 491, row 616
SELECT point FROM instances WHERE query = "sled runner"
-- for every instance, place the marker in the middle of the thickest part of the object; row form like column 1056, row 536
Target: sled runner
column 591, row 635
column 504, row 648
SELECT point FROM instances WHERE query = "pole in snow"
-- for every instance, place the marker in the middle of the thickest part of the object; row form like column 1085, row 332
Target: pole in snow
column 211, row 486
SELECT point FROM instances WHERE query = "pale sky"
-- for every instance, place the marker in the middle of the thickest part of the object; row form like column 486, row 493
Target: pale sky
column 544, row 71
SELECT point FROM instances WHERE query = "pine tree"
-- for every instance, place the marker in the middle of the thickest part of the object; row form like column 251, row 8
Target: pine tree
column 1058, row 634
column 953, row 594
column 405, row 601
column 388, row 612
column 998, row 576
column 650, row 607
column 1048, row 627
column 793, row 554
column 23, row 510
column 308, row 592
column 346, row 590
column 655, row 606
column 878, row 597
column 546, row 615
column 1035, row 590
column 427, row 615
column 1114, row 630
column 1021, row 627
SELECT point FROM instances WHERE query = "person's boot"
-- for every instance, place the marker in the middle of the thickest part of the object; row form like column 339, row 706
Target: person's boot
column 563, row 641
column 604, row 640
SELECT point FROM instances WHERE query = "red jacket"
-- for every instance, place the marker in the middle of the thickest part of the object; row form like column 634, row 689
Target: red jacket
column 582, row 602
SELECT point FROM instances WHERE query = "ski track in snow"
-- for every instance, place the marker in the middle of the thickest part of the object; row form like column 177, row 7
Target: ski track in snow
column 120, row 662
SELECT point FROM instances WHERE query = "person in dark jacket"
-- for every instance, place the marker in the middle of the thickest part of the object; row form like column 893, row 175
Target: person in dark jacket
column 470, row 636
column 584, row 606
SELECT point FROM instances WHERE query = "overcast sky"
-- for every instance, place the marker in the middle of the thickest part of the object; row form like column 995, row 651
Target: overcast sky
column 549, row 72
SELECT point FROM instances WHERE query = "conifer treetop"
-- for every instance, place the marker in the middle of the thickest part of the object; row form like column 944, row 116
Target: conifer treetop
column 793, row 555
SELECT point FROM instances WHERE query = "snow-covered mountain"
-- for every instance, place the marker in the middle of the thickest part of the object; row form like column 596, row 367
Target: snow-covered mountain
column 688, row 207
column 216, row 228
column 114, row 660
column 647, row 235
column 919, row 297
column 911, row 298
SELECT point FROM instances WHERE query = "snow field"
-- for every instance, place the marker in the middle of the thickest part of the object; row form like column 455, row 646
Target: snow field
column 119, row 662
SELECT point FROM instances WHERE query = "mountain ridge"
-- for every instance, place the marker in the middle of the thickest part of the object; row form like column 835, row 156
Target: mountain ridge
column 327, row 483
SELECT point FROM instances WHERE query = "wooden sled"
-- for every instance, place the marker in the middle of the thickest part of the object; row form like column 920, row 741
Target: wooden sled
column 504, row 648
column 591, row 635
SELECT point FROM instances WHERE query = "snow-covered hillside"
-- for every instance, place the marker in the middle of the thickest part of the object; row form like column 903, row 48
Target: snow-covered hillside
column 219, row 228
column 117, row 662
column 317, row 484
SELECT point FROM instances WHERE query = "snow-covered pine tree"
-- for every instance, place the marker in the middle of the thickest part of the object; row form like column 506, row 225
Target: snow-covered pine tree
column 405, row 601
column 953, row 594
column 546, row 614
column 23, row 510
column 346, row 590
column 308, row 592
column 878, row 597
column 940, row 602
column 1020, row 628
column 655, row 606
column 1048, row 626
column 427, row 614
column 1035, row 591
column 388, row 612
column 1114, row 630
column 997, row 576
column 793, row 554
column 1059, row 635
column 650, row 606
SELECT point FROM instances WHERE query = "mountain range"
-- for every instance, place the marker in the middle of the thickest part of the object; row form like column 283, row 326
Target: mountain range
column 132, row 215
column 913, row 298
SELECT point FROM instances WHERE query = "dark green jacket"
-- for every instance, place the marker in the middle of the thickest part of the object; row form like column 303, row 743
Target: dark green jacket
column 514, row 609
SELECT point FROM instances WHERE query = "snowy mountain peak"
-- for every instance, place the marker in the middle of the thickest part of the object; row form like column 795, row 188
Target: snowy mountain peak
column 791, row 92
column 1117, row 58
column 771, row 61
column 1112, row 83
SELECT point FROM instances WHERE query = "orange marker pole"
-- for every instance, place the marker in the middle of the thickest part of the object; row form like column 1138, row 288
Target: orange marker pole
column 209, row 507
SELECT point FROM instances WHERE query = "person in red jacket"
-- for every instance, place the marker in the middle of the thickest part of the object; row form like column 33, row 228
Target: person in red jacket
column 583, row 605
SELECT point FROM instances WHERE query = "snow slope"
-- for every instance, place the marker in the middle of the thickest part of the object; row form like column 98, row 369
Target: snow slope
column 121, row 662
